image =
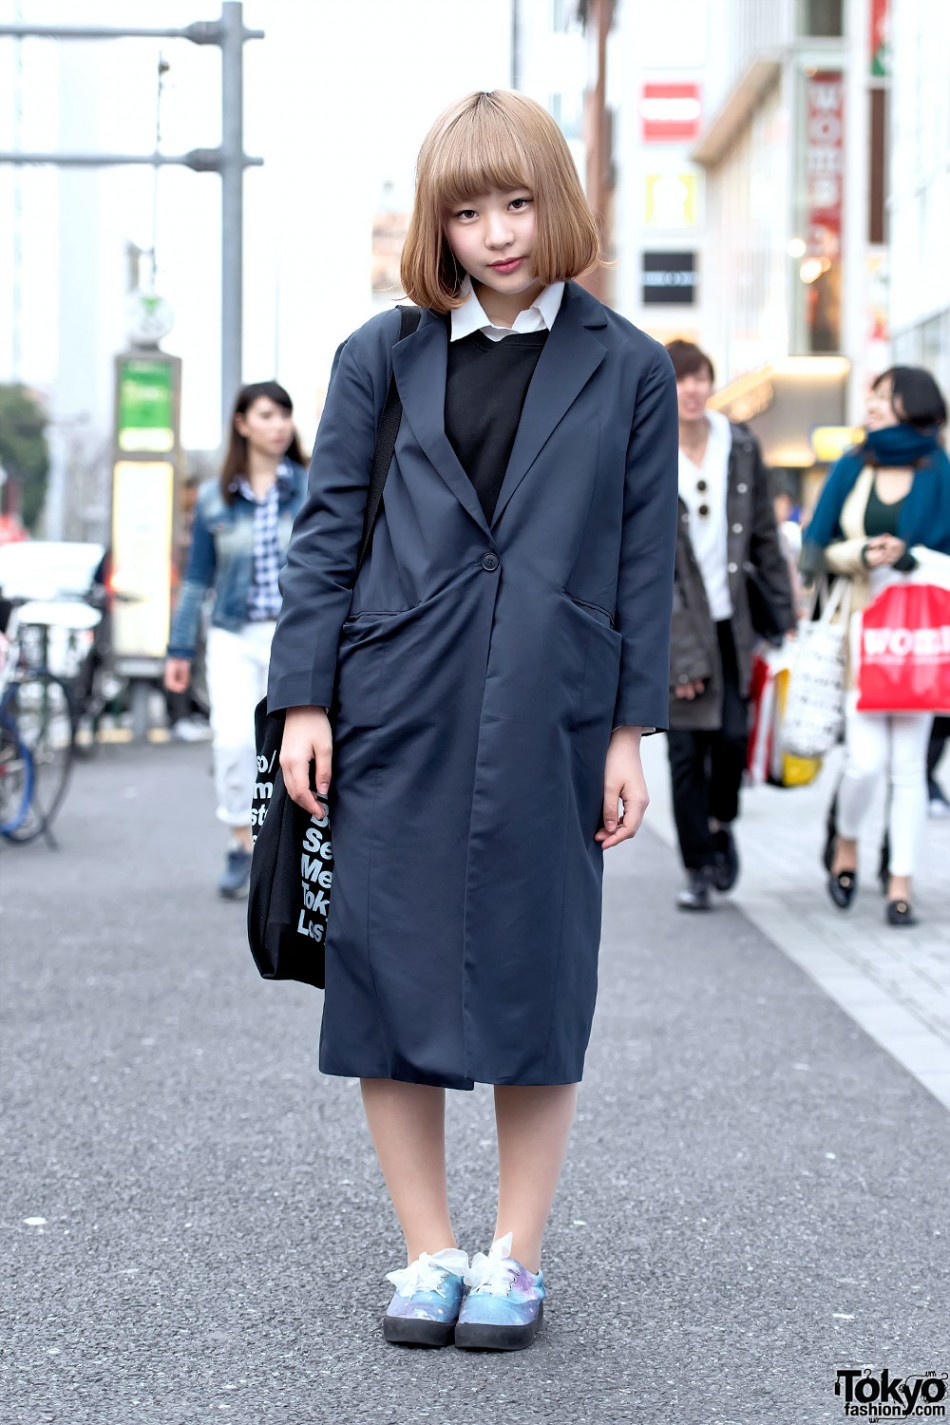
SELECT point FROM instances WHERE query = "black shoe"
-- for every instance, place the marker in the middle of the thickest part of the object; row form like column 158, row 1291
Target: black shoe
column 724, row 870
column 695, row 896
column 841, row 888
column 900, row 913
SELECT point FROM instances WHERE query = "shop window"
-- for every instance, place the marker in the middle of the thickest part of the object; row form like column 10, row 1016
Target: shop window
column 821, row 19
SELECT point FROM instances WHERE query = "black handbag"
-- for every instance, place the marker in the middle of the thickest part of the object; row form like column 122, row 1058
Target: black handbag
column 292, row 866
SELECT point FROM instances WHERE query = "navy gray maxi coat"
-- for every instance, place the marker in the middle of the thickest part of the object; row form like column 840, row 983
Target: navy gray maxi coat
column 473, row 675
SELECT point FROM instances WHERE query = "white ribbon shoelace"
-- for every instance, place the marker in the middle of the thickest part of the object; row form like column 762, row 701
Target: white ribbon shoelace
column 427, row 1272
column 494, row 1272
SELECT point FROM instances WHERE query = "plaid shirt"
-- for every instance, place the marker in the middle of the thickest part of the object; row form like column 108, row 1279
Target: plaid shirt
column 263, row 598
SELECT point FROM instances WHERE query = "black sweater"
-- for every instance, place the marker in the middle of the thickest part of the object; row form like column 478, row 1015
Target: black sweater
column 485, row 390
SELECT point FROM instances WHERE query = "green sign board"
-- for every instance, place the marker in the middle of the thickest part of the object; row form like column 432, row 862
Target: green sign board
column 145, row 413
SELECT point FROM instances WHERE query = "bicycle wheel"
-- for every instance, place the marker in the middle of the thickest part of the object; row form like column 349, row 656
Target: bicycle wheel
column 18, row 820
column 46, row 724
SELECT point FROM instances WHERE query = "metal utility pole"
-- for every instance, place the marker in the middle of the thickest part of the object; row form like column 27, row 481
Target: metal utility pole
column 230, row 160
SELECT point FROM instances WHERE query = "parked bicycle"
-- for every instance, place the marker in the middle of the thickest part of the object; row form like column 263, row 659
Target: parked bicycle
column 37, row 727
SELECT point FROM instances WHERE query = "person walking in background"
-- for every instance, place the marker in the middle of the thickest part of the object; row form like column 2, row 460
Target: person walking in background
column 187, row 721
column 239, row 539
column 726, row 529
column 884, row 509
column 488, row 672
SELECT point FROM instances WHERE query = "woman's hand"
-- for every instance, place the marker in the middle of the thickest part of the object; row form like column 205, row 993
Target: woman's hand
column 307, row 738
column 177, row 674
column 691, row 690
column 623, row 782
column 884, row 549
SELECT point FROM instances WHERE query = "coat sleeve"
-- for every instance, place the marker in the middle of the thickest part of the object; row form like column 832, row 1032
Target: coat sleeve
column 844, row 556
column 647, row 551
column 765, row 549
column 316, row 583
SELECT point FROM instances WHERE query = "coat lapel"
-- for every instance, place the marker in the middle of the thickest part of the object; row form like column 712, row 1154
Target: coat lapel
column 419, row 364
column 571, row 355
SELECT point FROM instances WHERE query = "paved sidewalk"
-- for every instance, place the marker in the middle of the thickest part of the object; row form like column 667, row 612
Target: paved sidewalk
column 894, row 983
column 193, row 1226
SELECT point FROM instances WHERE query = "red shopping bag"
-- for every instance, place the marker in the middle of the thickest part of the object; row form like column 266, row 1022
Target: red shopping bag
column 905, row 650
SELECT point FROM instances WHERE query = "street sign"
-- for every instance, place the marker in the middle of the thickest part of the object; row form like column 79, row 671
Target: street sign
column 670, row 113
column 145, row 404
column 671, row 200
column 143, row 508
column 669, row 277
column 142, row 512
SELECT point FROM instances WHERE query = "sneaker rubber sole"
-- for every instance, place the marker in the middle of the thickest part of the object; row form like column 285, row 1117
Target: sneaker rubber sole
column 414, row 1331
column 481, row 1336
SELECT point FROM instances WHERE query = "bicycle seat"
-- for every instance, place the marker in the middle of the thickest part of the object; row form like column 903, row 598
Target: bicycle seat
column 59, row 613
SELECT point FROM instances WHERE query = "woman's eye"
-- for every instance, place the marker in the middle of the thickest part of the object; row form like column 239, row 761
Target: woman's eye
column 465, row 213
column 519, row 204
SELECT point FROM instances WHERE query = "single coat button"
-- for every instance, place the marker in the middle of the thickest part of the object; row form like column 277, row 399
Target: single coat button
column 733, row 568
column 737, row 529
column 490, row 561
column 742, row 489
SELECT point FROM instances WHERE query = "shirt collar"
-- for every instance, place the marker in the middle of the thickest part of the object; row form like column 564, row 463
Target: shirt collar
column 471, row 317
column 240, row 485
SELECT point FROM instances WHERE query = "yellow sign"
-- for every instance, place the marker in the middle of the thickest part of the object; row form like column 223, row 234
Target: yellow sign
column 671, row 200
column 828, row 442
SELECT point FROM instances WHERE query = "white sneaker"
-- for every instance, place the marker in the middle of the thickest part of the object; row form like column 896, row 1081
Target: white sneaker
column 938, row 808
column 191, row 729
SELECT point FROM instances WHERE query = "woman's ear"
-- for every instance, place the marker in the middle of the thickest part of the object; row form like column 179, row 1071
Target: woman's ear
column 240, row 425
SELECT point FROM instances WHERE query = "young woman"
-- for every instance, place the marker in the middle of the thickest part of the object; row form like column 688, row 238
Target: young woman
column 473, row 704
column 240, row 533
column 885, row 509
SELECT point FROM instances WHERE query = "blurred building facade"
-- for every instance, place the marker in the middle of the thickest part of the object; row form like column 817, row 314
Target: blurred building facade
column 755, row 149
column 919, row 172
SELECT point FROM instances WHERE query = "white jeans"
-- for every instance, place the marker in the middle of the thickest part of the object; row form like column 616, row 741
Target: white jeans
column 895, row 743
column 237, row 680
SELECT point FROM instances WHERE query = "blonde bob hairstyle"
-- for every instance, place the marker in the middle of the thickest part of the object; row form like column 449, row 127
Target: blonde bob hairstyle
column 499, row 140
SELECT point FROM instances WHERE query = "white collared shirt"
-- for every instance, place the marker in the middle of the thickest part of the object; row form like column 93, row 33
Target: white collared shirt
column 708, row 533
column 539, row 317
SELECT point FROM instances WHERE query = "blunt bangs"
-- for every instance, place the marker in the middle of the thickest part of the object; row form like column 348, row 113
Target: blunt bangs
column 478, row 152
column 505, row 141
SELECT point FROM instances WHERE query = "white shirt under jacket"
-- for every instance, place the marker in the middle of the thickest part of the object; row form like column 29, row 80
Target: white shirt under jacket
column 708, row 533
column 471, row 316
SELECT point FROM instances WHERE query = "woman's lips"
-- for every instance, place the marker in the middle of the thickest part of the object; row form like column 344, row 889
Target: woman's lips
column 505, row 267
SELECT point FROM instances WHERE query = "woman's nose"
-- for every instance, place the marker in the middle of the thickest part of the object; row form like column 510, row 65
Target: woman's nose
column 499, row 232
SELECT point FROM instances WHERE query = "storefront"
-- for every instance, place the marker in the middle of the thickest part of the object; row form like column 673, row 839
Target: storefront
column 797, row 408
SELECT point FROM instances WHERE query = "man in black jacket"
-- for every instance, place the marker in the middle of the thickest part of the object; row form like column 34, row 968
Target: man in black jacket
column 727, row 540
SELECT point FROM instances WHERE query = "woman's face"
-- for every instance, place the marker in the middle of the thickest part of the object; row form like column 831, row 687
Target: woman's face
column 881, row 411
column 492, row 236
column 267, row 427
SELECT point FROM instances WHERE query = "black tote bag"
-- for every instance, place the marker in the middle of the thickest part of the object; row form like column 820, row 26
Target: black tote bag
column 292, row 867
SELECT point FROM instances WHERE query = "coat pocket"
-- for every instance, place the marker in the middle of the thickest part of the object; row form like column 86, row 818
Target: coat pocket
column 595, row 610
column 596, row 693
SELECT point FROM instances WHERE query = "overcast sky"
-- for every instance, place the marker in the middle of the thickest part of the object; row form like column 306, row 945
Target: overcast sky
column 338, row 98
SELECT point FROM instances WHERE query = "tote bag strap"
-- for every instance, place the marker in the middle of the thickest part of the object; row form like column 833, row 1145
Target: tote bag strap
column 389, row 422
column 835, row 597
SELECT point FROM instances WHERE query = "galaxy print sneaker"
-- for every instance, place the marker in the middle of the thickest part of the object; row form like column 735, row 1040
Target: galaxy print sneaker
column 503, row 1307
column 425, row 1306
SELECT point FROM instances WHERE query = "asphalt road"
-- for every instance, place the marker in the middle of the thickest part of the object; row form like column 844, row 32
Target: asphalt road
column 756, row 1196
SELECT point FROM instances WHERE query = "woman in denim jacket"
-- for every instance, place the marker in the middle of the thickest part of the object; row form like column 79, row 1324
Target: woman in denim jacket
column 240, row 535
